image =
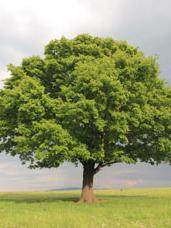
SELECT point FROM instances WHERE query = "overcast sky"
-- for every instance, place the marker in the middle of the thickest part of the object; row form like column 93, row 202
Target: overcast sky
column 27, row 26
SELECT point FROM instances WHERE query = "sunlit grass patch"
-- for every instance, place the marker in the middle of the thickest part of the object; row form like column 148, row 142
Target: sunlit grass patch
column 127, row 208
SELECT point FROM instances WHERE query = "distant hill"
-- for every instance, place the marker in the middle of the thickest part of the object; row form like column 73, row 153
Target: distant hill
column 74, row 188
column 65, row 189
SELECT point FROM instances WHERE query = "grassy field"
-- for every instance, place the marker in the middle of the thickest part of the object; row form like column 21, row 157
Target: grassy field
column 126, row 209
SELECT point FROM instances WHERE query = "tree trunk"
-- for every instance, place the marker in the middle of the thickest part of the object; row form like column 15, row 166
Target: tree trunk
column 87, row 195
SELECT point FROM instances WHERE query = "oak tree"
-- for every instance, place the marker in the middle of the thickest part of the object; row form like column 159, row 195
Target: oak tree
column 89, row 100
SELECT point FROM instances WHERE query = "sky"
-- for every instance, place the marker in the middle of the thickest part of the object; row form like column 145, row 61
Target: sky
column 27, row 26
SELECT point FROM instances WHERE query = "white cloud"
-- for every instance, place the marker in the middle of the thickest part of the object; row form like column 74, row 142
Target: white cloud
column 28, row 25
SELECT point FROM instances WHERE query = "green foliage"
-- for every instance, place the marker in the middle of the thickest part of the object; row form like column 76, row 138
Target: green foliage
column 88, row 99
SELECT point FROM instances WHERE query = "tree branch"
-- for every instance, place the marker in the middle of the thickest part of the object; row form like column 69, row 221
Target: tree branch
column 101, row 165
column 97, row 169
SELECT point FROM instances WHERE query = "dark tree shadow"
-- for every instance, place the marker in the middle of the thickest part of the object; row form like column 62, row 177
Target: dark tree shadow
column 29, row 198
column 55, row 197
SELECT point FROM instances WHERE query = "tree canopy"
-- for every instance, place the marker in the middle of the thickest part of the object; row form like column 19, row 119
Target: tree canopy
column 89, row 100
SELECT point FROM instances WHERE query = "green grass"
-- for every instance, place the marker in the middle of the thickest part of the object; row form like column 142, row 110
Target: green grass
column 126, row 209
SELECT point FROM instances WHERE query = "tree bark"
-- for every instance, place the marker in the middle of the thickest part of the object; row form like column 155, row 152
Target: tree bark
column 87, row 195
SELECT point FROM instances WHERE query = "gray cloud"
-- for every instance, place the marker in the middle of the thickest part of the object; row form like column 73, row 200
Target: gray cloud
column 147, row 25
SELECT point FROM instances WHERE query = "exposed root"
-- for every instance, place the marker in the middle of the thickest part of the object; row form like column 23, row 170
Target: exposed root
column 92, row 200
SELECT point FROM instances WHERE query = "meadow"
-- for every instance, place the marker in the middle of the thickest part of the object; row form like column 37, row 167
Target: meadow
column 128, row 208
